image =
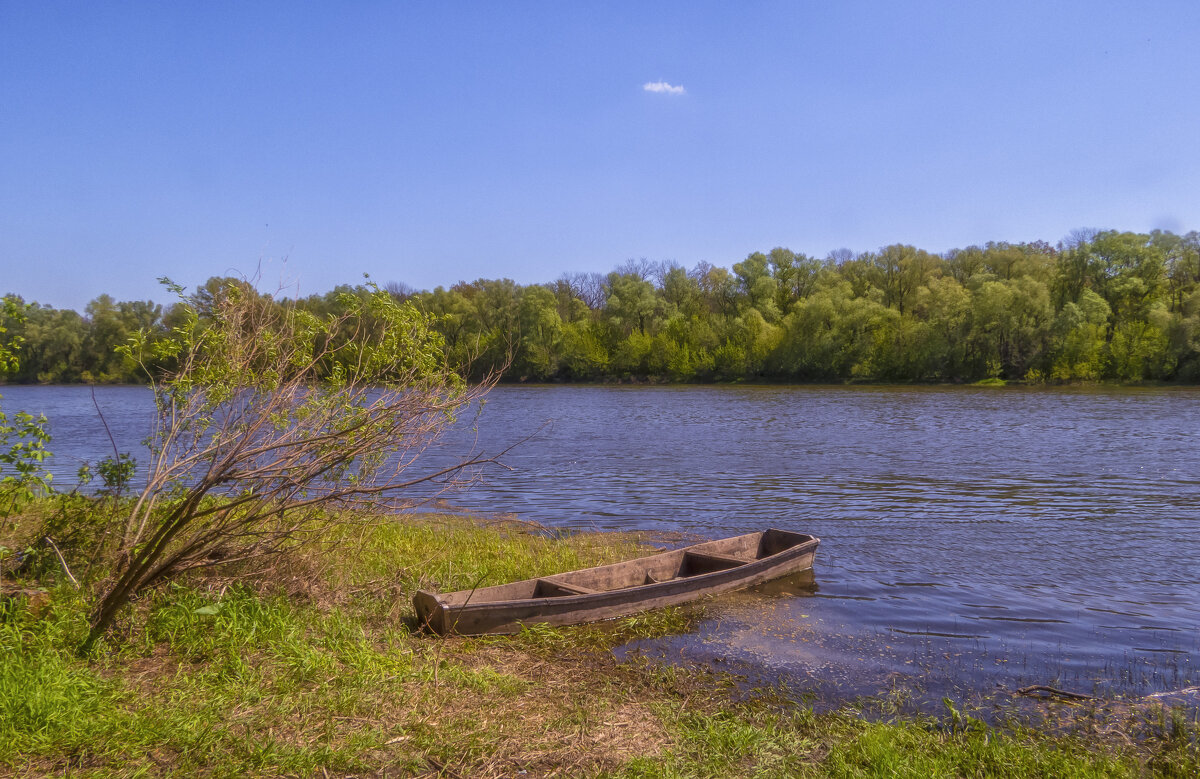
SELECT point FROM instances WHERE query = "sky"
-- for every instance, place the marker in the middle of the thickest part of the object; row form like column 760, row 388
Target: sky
column 306, row 144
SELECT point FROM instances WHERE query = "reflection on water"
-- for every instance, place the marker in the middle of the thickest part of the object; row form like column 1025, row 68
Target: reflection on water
column 971, row 537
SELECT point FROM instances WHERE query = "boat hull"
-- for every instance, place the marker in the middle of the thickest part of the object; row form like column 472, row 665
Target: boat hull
column 620, row 589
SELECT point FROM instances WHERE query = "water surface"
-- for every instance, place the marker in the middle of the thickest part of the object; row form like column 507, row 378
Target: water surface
column 971, row 537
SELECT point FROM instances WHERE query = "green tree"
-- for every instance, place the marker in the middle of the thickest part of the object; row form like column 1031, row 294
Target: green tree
column 455, row 318
column 540, row 329
column 899, row 271
column 945, row 306
column 584, row 355
column 1007, row 261
column 1184, row 339
column 107, row 330
column 1080, row 329
column 1139, row 350
column 1010, row 326
column 681, row 293
column 1130, row 273
column 719, row 289
column 758, row 286
column 795, row 275
column 833, row 334
column 1181, row 257
column 963, row 264
column 750, row 339
column 632, row 304
column 58, row 341
column 571, row 307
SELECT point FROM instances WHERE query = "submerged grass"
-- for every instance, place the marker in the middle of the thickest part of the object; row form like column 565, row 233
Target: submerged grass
column 313, row 667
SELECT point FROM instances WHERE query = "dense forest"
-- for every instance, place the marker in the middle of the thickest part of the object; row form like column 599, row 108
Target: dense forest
column 1102, row 305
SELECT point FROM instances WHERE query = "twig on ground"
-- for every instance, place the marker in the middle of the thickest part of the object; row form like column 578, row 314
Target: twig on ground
column 63, row 562
column 1041, row 690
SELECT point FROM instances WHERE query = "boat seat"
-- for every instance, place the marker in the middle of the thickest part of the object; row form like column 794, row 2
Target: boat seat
column 711, row 561
column 549, row 589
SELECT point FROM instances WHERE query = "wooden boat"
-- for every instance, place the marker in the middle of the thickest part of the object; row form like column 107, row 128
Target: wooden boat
column 620, row 589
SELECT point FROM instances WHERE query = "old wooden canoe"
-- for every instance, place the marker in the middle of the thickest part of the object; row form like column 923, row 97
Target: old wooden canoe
column 620, row 589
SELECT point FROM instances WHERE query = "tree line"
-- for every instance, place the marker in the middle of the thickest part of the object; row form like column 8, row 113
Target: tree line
column 1098, row 306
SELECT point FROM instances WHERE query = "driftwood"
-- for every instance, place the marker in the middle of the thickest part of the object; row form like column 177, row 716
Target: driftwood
column 1043, row 691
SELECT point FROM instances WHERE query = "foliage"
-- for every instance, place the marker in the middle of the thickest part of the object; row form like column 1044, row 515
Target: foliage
column 23, row 437
column 1101, row 306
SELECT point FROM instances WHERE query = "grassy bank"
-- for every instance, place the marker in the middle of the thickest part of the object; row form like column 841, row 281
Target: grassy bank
column 314, row 667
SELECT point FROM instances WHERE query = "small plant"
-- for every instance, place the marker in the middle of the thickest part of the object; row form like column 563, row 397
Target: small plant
column 23, row 437
column 116, row 473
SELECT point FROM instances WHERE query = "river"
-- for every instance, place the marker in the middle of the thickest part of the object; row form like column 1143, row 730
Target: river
column 972, row 538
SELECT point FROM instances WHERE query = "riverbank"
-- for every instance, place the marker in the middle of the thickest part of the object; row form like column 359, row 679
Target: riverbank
column 314, row 667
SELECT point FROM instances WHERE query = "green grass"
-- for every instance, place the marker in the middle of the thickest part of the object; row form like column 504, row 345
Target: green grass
column 313, row 667
column 754, row 742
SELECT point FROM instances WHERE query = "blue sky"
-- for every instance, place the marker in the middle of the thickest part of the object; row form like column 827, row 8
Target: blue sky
column 435, row 142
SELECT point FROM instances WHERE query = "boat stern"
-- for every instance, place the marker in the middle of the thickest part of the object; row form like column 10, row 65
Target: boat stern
column 431, row 612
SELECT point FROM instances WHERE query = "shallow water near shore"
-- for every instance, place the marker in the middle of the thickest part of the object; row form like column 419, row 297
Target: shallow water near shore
column 973, row 539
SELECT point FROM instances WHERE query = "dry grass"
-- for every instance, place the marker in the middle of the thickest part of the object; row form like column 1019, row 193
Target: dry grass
column 312, row 663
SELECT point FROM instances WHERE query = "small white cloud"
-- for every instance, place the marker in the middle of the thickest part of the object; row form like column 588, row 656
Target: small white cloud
column 662, row 88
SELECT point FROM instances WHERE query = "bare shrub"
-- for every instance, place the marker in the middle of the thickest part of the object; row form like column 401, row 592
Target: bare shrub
column 271, row 421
